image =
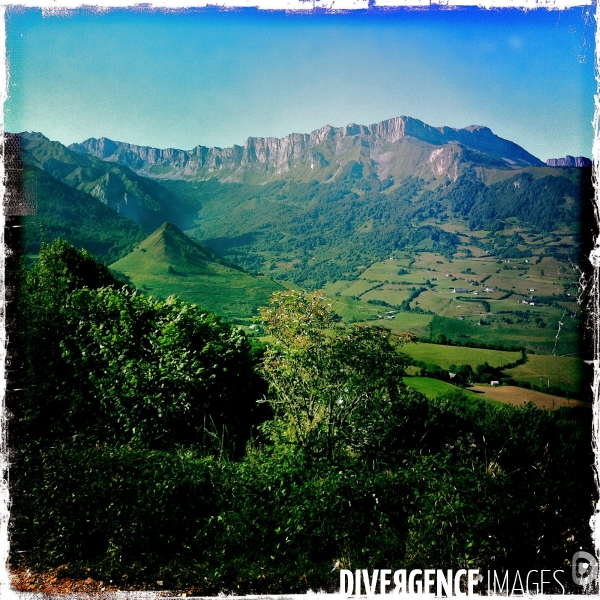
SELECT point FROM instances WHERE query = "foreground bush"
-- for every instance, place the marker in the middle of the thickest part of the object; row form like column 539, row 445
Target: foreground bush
column 103, row 364
column 278, row 520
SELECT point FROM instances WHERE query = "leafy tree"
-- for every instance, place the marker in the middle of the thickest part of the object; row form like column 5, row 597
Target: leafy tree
column 464, row 373
column 160, row 372
column 331, row 388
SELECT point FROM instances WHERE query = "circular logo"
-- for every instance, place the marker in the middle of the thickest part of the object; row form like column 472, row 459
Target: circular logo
column 584, row 568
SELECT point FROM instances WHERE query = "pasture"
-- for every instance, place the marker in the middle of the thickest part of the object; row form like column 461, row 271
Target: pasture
column 434, row 388
column 568, row 373
column 406, row 322
column 353, row 311
column 392, row 294
column 444, row 356
column 540, row 340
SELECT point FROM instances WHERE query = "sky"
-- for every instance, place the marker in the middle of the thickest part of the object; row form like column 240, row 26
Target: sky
column 180, row 79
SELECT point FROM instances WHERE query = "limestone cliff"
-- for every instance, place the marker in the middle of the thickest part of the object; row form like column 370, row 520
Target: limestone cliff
column 327, row 149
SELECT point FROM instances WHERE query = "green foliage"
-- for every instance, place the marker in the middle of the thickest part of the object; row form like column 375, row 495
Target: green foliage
column 114, row 366
column 439, row 490
column 289, row 218
column 115, row 513
column 160, row 372
column 537, row 203
column 331, row 387
column 112, row 475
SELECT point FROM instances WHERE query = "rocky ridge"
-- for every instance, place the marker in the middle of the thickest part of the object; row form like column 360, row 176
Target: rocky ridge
column 569, row 161
column 321, row 149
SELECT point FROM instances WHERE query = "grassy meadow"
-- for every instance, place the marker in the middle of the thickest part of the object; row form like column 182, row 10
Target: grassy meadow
column 434, row 388
column 444, row 356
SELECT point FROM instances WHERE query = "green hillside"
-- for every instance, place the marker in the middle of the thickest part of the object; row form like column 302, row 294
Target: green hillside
column 168, row 262
column 74, row 216
column 140, row 199
column 323, row 231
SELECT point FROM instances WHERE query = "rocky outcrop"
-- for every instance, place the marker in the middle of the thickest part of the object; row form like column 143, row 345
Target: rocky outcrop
column 569, row 161
column 317, row 150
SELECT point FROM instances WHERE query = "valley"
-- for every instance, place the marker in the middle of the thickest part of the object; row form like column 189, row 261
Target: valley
column 458, row 237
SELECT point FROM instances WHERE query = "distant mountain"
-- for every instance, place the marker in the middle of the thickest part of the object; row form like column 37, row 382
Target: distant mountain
column 50, row 209
column 117, row 187
column 169, row 262
column 401, row 146
column 569, row 161
column 314, row 208
column 74, row 216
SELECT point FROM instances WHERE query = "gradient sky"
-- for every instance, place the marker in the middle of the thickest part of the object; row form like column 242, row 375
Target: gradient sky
column 168, row 79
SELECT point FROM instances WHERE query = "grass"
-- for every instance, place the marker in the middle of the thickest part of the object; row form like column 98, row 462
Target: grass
column 444, row 356
column 434, row 388
column 391, row 296
column 540, row 340
column 433, row 301
column 354, row 310
column 569, row 373
column 386, row 270
column 228, row 294
column 406, row 322
column 357, row 288
column 167, row 262
column 460, row 317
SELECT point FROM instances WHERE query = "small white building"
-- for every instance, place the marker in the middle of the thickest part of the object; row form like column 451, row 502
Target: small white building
column 495, row 383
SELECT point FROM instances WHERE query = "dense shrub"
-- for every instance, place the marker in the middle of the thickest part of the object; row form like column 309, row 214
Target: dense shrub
column 114, row 366
column 460, row 483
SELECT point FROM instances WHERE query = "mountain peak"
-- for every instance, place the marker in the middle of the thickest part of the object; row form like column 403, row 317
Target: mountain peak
column 325, row 150
column 169, row 229
column 32, row 135
column 170, row 242
column 168, row 262
column 569, row 161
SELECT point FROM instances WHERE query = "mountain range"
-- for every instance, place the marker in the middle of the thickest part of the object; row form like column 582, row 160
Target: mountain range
column 321, row 154
column 569, row 161
column 310, row 208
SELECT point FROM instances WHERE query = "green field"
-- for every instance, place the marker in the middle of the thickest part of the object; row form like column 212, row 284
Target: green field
column 444, row 356
column 393, row 295
column 353, row 310
column 508, row 302
column 406, row 322
column 540, row 340
column 434, row 388
column 568, row 373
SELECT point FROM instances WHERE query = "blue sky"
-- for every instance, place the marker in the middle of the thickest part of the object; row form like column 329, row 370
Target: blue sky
column 170, row 79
